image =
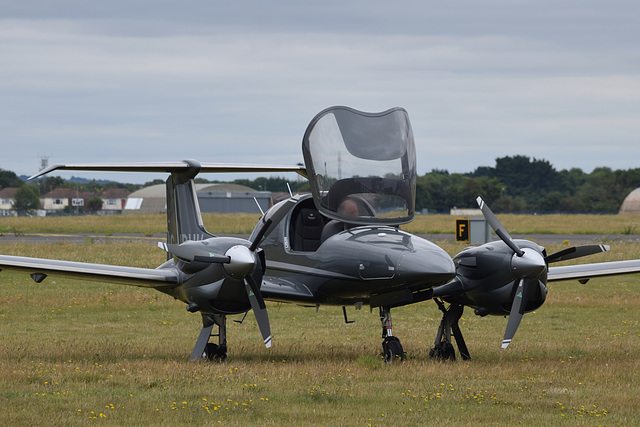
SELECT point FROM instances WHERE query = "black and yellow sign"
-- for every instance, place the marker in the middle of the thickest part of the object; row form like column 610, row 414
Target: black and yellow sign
column 462, row 230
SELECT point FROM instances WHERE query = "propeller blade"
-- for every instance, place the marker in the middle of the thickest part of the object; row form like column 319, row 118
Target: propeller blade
column 194, row 252
column 259, row 309
column 576, row 252
column 498, row 227
column 517, row 311
column 270, row 220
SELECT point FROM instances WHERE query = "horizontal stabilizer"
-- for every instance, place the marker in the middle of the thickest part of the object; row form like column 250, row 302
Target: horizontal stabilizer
column 168, row 167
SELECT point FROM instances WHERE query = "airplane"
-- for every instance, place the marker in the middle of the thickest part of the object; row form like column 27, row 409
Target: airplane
column 341, row 245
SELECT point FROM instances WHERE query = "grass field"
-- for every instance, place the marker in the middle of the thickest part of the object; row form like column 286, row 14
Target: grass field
column 243, row 224
column 74, row 352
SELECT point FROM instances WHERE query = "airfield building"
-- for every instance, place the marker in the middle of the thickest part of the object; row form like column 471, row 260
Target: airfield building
column 631, row 204
column 221, row 197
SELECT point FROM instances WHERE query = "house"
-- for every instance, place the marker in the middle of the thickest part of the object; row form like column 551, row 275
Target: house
column 61, row 198
column 6, row 201
column 114, row 199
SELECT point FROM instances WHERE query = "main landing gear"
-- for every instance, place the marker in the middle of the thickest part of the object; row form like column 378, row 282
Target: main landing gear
column 391, row 347
column 206, row 351
column 443, row 349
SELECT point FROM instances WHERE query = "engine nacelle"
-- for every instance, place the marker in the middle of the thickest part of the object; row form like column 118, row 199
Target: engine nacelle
column 487, row 280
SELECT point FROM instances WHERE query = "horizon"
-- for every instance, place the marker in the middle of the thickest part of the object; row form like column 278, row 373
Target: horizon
column 73, row 177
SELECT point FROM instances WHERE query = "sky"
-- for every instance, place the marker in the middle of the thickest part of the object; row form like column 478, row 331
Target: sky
column 238, row 82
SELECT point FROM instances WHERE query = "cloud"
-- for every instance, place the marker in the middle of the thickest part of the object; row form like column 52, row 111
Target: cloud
column 224, row 83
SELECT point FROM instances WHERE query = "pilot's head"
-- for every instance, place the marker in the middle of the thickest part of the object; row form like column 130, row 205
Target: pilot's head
column 348, row 207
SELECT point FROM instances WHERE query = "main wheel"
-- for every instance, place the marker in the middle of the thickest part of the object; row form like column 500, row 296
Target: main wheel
column 443, row 351
column 392, row 350
column 214, row 352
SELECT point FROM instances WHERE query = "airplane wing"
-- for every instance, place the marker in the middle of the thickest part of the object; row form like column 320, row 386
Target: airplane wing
column 584, row 272
column 40, row 268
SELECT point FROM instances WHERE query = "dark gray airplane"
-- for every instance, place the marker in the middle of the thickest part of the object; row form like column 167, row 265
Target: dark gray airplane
column 342, row 245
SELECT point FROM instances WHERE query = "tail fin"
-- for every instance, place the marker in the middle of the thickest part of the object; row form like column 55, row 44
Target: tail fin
column 184, row 221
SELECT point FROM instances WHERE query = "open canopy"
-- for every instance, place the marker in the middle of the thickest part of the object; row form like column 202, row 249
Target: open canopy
column 362, row 166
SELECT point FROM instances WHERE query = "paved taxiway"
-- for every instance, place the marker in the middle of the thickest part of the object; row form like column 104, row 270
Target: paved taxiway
column 575, row 239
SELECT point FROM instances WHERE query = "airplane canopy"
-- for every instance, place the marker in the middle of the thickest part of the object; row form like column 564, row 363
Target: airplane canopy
column 362, row 166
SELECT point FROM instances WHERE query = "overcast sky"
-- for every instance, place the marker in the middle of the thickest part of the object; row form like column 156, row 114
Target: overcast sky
column 238, row 82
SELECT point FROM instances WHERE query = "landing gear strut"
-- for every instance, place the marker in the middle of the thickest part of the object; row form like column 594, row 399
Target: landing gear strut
column 206, row 351
column 391, row 347
column 443, row 349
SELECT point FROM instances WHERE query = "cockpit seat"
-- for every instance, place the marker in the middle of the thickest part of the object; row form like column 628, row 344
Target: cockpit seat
column 307, row 231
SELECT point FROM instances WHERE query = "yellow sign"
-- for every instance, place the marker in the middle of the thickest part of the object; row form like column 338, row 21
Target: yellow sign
column 462, row 230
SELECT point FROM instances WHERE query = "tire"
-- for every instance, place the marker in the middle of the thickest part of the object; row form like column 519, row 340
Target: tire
column 443, row 351
column 392, row 350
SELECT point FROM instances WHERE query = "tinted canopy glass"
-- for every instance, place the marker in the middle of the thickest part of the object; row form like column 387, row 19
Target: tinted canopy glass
column 362, row 166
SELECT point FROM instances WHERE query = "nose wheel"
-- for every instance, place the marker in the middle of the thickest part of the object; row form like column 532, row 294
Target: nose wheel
column 392, row 350
column 391, row 347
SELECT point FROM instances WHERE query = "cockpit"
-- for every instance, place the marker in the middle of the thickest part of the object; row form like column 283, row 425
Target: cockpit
column 362, row 171
column 362, row 166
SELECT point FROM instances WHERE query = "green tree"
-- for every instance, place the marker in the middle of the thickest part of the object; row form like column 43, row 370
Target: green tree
column 154, row 182
column 26, row 199
column 9, row 179
column 471, row 189
column 94, row 204
column 50, row 183
column 272, row 184
column 490, row 189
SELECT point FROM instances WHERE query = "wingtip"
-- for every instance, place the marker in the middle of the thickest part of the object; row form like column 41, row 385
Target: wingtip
column 44, row 172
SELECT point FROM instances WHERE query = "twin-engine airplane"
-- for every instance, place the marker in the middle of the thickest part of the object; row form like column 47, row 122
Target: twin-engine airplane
column 342, row 245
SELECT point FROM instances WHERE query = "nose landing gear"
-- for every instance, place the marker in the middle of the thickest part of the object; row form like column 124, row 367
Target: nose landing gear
column 391, row 347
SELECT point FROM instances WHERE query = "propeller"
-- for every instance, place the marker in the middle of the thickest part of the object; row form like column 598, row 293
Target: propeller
column 259, row 309
column 576, row 252
column 239, row 261
column 269, row 222
column 515, row 316
column 525, row 265
column 498, row 227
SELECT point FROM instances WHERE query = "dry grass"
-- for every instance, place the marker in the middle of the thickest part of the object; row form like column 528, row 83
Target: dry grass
column 147, row 224
column 73, row 352
column 244, row 223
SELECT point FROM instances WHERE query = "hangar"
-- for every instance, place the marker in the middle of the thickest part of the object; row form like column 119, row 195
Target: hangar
column 631, row 204
column 221, row 197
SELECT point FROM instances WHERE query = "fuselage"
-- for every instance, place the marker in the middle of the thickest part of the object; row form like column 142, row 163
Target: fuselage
column 356, row 264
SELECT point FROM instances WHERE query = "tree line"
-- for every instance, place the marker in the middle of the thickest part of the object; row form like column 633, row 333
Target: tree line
column 516, row 184
column 519, row 184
